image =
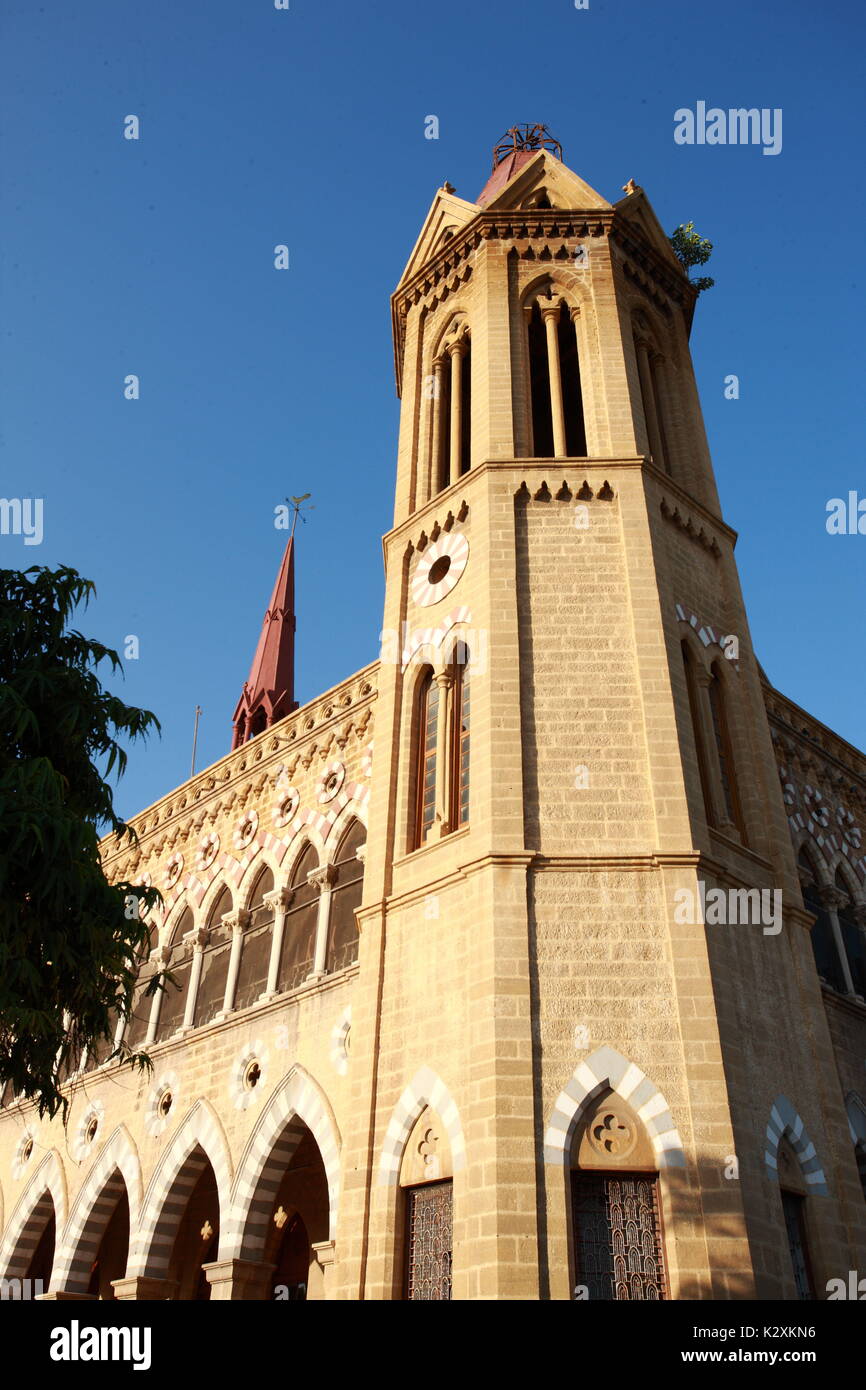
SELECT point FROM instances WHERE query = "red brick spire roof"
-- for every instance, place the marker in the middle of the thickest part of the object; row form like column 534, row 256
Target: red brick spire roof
column 269, row 693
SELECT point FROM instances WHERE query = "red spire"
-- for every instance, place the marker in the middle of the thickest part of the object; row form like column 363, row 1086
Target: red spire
column 269, row 694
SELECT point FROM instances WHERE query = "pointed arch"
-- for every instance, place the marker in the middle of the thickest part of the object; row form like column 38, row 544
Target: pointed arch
column 199, row 1139
column 353, row 810
column 261, row 859
column 269, row 1152
column 785, row 1121
column 425, row 1088
column 44, row 1194
column 305, row 835
column 605, row 1068
column 117, row 1170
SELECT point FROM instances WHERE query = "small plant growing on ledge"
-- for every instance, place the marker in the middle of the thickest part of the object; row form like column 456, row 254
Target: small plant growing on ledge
column 691, row 249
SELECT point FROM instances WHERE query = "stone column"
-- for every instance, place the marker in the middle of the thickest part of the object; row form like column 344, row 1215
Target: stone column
column 239, row 1280
column 323, row 879
column 198, row 936
column 832, row 899
column 279, row 901
column 649, row 404
column 441, row 816
column 457, row 352
column 238, row 921
column 550, row 313
column 161, row 958
column 142, row 1287
column 436, row 480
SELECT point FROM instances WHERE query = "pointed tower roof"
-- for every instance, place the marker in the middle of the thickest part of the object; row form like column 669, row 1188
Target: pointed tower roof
column 269, row 693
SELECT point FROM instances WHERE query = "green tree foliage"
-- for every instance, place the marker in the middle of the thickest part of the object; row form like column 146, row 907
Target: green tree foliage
column 70, row 942
column 690, row 250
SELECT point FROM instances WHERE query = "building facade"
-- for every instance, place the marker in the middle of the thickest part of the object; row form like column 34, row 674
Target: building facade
column 528, row 962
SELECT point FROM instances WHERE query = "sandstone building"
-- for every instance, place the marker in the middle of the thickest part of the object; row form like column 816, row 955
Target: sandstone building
column 448, row 1022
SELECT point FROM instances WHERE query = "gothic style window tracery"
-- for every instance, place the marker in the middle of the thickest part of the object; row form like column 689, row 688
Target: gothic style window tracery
column 615, row 1209
column 451, row 434
column 556, row 397
column 428, row 1242
column 172, row 1005
column 837, row 936
column 256, row 944
column 299, row 932
column 346, row 895
column 427, row 752
column 215, row 962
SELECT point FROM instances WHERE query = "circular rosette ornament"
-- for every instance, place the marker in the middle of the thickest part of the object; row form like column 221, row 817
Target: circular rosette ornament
column 245, row 830
column 330, row 782
column 207, row 851
column 439, row 569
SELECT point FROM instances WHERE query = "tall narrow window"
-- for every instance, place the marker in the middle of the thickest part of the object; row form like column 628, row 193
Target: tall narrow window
column 539, row 383
column 824, row 948
column 617, row 1241
column 172, row 1005
column 425, row 775
column 697, row 729
column 572, row 395
column 299, row 932
column 256, row 945
column 142, row 1002
column 465, row 412
column 215, row 962
column 615, row 1206
column 852, row 939
column 428, row 1242
column 724, row 751
column 346, row 895
column 792, row 1187
column 460, row 754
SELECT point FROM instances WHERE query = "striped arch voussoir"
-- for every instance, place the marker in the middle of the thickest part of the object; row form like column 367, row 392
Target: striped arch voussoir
column 117, row 1170
column 297, row 1102
column 199, row 1140
column 607, row 1069
column 45, row 1191
column 786, row 1123
column 425, row 1088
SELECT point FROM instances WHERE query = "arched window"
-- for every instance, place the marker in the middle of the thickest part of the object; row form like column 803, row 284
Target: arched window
column 792, row 1186
column 346, row 895
column 142, row 1002
column 618, row 1251
column 427, row 745
column 697, row 729
column 558, row 427
column 172, row 1006
column 824, row 947
column 256, row 945
column 426, row 1179
column 215, row 962
column 460, row 732
column 649, row 363
column 452, row 407
column 852, row 937
column 299, row 933
column 724, row 750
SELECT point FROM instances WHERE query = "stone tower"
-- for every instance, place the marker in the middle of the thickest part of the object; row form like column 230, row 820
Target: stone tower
column 532, row 928
column 528, row 961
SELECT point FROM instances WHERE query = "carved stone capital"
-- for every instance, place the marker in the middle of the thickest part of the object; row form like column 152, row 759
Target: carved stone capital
column 831, row 897
column 550, row 307
column 323, row 876
column 197, row 938
column 279, row 899
column 236, row 921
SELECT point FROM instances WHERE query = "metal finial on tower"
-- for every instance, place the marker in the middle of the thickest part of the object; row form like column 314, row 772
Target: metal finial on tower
column 525, row 137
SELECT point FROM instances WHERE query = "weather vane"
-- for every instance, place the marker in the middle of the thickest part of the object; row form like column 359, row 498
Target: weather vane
column 295, row 504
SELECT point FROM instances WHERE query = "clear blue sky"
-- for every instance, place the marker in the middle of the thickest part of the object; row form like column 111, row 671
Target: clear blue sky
column 306, row 127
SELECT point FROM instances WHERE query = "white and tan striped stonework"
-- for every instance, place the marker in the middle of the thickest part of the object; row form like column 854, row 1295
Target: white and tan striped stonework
column 513, row 970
